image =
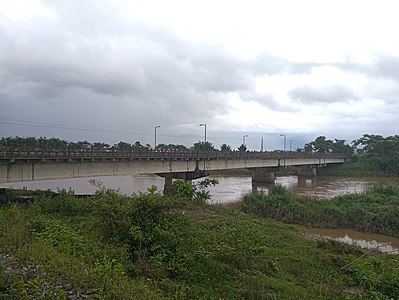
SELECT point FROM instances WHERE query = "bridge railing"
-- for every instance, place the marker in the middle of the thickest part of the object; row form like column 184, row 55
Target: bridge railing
column 68, row 154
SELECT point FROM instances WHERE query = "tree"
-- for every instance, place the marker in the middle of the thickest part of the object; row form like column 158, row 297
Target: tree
column 171, row 147
column 242, row 148
column 225, row 148
column 383, row 153
column 322, row 145
column 100, row 145
column 203, row 146
column 123, row 146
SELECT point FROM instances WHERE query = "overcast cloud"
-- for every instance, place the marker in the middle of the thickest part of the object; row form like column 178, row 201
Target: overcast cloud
column 112, row 70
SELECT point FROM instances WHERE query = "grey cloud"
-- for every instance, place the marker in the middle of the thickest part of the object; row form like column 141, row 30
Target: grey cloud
column 268, row 101
column 267, row 64
column 387, row 66
column 325, row 94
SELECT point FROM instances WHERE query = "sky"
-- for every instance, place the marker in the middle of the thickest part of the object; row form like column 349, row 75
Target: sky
column 111, row 71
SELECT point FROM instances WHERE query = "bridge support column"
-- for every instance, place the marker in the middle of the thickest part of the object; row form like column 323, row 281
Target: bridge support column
column 188, row 177
column 264, row 187
column 168, row 182
column 306, row 182
column 263, row 177
column 307, row 171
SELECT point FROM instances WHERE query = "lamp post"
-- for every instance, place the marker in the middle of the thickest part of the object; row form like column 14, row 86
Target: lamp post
column 290, row 144
column 155, row 146
column 285, row 140
column 243, row 139
column 203, row 124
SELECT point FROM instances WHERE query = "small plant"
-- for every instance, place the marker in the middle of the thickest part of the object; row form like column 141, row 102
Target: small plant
column 196, row 192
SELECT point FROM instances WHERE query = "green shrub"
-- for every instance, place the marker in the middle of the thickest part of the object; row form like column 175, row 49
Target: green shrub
column 65, row 203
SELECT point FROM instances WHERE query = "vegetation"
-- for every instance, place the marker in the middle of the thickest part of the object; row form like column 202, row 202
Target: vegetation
column 225, row 148
column 322, row 145
column 372, row 155
column 56, row 143
column 203, row 146
column 242, row 148
column 151, row 246
column 375, row 210
column 171, row 147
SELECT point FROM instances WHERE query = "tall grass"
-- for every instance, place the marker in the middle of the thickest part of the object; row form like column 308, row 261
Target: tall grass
column 375, row 210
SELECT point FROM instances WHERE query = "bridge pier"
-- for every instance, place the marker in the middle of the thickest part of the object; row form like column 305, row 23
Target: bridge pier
column 263, row 177
column 307, row 171
column 306, row 182
column 256, row 187
column 188, row 177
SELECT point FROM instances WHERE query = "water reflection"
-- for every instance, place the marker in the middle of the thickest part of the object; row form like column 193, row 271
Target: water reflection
column 377, row 242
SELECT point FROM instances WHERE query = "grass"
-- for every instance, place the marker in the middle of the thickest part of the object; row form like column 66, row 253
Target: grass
column 154, row 247
column 375, row 210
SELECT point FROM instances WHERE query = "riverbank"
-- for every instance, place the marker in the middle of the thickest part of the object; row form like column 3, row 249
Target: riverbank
column 155, row 247
column 375, row 210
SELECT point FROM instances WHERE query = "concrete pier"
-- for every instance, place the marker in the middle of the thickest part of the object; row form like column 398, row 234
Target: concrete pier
column 307, row 171
column 188, row 177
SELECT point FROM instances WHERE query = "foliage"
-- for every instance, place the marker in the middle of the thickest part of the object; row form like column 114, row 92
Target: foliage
column 379, row 152
column 33, row 142
column 373, row 211
column 196, row 191
column 322, row 145
column 150, row 246
column 225, row 148
column 203, row 146
column 171, row 147
column 242, row 148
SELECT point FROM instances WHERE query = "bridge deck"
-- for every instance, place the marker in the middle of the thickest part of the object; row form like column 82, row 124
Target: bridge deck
column 26, row 165
column 93, row 154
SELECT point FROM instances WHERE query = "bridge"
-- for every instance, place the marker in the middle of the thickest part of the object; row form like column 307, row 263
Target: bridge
column 18, row 165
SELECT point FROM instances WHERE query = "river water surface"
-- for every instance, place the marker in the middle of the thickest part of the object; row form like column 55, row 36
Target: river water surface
column 232, row 189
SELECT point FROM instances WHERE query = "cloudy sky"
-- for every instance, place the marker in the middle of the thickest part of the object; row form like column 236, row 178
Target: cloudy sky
column 102, row 70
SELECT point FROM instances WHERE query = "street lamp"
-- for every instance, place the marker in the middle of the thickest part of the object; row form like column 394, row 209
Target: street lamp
column 243, row 139
column 290, row 143
column 203, row 124
column 285, row 140
column 155, row 146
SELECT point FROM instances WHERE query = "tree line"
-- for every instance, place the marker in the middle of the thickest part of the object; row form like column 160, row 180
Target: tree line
column 372, row 154
column 57, row 143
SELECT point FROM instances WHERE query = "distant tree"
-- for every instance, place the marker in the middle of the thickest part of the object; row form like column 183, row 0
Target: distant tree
column 203, row 146
column 79, row 145
column 123, row 146
column 100, row 145
column 171, row 147
column 242, row 148
column 340, row 146
column 379, row 151
column 323, row 145
column 225, row 147
column 138, row 145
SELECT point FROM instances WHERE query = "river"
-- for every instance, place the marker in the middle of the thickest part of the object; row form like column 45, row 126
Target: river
column 229, row 189
column 232, row 189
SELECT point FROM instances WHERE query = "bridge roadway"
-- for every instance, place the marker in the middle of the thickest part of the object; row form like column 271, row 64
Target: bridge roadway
column 27, row 165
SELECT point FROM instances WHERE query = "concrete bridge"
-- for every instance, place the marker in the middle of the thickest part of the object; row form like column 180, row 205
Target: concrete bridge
column 27, row 165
